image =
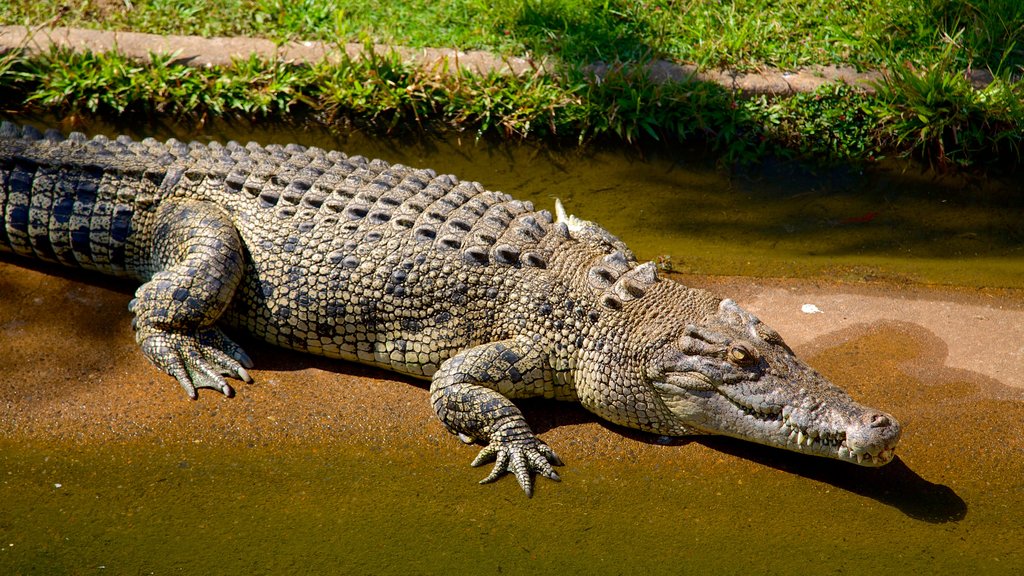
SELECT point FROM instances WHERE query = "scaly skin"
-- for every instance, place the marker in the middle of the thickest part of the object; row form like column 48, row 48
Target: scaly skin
column 422, row 274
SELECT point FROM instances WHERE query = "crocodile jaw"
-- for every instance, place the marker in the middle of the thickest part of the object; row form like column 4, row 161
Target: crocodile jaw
column 837, row 428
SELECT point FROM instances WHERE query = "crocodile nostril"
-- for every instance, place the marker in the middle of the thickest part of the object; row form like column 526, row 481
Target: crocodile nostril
column 880, row 421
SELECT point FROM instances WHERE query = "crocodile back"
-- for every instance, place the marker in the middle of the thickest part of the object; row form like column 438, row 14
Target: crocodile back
column 377, row 262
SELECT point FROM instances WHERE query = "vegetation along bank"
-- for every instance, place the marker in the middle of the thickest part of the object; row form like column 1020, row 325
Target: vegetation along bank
column 937, row 79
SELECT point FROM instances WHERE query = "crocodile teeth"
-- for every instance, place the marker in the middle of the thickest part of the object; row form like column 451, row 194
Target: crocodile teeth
column 799, row 437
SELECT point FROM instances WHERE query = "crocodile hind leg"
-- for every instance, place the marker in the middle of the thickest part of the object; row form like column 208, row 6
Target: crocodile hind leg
column 197, row 262
column 470, row 393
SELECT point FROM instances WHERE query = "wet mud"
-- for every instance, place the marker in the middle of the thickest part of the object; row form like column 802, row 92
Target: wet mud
column 329, row 466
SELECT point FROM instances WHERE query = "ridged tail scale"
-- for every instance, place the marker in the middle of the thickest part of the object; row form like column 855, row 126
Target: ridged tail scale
column 71, row 201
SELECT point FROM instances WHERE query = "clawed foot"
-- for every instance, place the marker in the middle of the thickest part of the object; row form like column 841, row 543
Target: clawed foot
column 521, row 457
column 198, row 361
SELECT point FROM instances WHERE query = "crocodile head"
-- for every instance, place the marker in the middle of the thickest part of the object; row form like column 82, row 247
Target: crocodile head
column 733, row 375
column 719, row 370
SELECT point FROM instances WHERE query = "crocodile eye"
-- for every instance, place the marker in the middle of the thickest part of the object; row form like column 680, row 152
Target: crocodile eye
column 742, row 354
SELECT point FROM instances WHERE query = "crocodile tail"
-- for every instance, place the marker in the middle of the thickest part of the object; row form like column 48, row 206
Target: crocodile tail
column 57, row 203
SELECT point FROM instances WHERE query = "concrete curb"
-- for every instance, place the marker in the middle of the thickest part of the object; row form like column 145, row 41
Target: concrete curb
column 771, row 82
column 199, row 51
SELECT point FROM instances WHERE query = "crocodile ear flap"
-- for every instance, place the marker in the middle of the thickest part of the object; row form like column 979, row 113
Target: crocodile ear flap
column 733, row 314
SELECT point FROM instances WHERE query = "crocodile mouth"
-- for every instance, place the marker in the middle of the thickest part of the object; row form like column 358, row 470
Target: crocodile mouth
column 777, row 426
column 829, row 443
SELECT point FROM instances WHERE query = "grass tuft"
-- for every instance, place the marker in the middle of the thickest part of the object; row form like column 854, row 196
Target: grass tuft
column 112, row 83
column 936, row 113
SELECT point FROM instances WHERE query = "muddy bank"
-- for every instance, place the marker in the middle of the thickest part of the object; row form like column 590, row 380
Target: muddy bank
column 330, row 466
column 72, row 371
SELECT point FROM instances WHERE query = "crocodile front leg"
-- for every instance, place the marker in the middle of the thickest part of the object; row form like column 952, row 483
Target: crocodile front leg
column 197, row 263
column 470, row 394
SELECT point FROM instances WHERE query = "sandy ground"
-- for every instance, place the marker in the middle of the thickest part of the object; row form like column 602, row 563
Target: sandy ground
column 978, row 333
column 70, row 368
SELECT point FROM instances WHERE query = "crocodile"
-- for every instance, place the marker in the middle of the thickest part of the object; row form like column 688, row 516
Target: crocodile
column 419, row 273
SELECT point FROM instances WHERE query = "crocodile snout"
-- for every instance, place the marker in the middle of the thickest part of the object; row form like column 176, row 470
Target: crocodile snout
column 872, row 437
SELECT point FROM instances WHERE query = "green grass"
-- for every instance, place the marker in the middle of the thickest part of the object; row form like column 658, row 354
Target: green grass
column 742, row 33
column 924, row 107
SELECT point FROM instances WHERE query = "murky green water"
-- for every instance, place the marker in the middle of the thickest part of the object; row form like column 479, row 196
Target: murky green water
column 894, row 221
column 147, row 502
column 185, row 510
column 347, row 509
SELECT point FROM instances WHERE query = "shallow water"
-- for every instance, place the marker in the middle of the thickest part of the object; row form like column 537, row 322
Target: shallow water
column 894, row 221
column 323, row 467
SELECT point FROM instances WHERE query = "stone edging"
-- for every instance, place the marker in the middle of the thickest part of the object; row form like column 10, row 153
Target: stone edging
column 199, row 51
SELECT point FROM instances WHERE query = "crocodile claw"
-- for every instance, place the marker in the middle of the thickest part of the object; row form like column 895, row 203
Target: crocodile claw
column 521, row 457
column 198, row 361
